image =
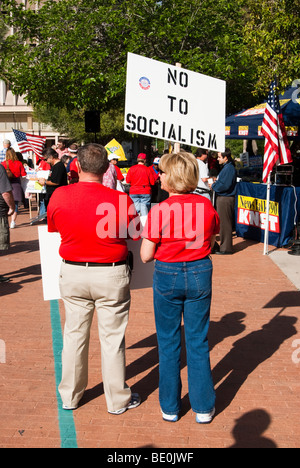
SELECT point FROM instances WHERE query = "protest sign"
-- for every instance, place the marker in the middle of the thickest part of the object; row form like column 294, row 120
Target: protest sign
column 51, row 262
column 174, row 104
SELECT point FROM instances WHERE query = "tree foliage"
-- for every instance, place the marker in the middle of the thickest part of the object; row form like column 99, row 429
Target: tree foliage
column 272, row 37
column 71, row 54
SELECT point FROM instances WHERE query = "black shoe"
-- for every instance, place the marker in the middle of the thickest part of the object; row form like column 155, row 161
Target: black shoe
column 223, row 253
column 216, row 248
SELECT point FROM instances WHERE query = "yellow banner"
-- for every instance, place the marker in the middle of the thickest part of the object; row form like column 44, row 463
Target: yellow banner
column 114, row 147
column 256, row 204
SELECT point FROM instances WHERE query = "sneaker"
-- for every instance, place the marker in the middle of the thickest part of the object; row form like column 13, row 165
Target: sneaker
column 205, row 418
column 12, row 225
column 134, row 402
column 69, row 408
column 170, row 417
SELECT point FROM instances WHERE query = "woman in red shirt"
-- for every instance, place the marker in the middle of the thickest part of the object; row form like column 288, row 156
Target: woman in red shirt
column 179, row 233
column 17, row 170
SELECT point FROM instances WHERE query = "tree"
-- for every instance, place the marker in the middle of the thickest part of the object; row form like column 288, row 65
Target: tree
column 272, row 37
column 71, row 54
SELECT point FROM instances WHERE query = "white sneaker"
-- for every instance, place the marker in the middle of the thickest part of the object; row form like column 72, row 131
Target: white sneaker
column 69, row 408
column 205, row 418
column 169, row 417
column 12, row 225
column 134, row 402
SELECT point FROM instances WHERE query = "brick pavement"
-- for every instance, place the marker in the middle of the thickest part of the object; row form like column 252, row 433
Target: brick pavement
column 254, row 324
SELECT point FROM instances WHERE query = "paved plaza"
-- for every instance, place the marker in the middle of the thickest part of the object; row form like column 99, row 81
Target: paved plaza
column 255, row 356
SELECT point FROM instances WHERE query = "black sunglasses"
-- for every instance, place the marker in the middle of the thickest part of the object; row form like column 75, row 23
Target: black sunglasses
column 161, row 172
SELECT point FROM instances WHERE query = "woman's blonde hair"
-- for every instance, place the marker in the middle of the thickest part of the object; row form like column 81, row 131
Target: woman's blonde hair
column 11, row 155
column 182, row 172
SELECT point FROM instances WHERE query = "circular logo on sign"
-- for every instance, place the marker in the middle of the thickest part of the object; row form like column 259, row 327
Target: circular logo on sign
column 144, row 83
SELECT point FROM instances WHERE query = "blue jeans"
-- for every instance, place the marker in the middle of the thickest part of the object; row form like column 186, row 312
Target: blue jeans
column 183, row 288
column 142, row 203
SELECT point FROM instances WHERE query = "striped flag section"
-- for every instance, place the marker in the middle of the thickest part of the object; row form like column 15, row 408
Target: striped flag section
column 27, row 142
column 277, row 149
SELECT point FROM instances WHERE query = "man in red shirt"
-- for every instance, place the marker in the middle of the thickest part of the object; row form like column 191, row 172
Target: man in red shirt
column 140, row 178
column 94, row 222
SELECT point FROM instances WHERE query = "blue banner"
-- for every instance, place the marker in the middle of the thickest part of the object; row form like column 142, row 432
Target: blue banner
column 251, row 201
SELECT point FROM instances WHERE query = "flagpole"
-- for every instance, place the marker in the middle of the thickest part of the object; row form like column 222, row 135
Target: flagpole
column 266, row 240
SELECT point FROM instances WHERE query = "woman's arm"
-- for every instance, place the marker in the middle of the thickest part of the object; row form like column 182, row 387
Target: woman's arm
column 147, row 250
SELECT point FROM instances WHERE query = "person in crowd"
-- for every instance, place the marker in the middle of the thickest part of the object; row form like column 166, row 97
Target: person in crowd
column 94, row 275
column 155, row 168
column 225, row 189
column 161, row 193
column 140, row 179
column 61, row 148
column 113, row 159
column 72, row 169
column 155, row 171
column 7, row 208
column 15, row 170
column 65, row 159
column 23, row 180
column 110, row 177
column 72, row 152
column 213, row 164
column 178, row 234
column 58, row 174
column 6, row 146
column 42, row 165
column 203, row 186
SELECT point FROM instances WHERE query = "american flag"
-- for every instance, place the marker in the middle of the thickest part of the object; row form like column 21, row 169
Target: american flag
column 277, row 150
column 27, row 142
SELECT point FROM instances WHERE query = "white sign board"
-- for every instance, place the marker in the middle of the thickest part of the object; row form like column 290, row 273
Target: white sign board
column 50, row 262
column 170, row 103
column 142, row 276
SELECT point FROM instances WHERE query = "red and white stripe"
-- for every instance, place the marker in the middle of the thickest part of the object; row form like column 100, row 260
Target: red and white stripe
column 276, row 144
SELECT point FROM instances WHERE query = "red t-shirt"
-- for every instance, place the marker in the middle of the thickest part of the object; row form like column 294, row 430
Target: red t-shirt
column 16, row 168
column 44, row 166
column 94, row 222
column 74, row 169
column 182, row 227
column 120, row 176
column 140, row 178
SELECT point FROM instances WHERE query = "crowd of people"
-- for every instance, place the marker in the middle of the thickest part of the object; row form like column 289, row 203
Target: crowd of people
column 82, row 181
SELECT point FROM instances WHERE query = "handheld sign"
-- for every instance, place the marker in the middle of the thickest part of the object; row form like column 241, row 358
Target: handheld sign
column 170, row 103
column 142, row 275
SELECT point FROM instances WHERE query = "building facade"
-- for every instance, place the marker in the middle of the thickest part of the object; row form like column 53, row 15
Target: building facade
column 16, row 114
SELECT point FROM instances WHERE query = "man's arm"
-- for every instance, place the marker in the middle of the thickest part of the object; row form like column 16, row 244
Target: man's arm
column 43, row 182
column 9, row 200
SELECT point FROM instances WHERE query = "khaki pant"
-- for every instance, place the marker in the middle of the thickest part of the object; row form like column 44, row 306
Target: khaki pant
column 84, row 289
